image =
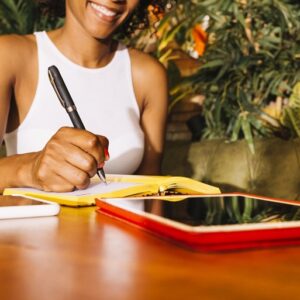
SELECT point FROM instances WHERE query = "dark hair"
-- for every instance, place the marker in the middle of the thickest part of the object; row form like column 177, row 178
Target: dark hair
column 138, row 20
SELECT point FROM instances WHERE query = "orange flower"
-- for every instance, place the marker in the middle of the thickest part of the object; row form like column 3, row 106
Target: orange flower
column 200, row 39
column 154, row 14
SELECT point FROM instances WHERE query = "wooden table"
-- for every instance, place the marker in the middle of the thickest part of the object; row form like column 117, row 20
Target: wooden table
column 83, row 255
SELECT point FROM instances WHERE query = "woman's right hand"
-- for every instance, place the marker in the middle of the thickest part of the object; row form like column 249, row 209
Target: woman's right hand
column 69, row 160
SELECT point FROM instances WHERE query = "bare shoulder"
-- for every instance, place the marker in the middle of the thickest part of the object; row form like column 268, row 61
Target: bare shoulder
column 15, row 50
column 149, row 78
column 145, row 65
column 13, row 42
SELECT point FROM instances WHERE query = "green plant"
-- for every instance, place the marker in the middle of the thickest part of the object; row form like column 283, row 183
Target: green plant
column 251, row 61
column 291, row 112
column 23, row 17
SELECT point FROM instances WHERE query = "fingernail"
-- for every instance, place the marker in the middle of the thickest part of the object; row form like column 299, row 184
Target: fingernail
column 106, row 153
column 101, row 165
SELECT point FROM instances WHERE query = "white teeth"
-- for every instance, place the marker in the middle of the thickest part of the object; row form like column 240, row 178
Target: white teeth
column 103, row 10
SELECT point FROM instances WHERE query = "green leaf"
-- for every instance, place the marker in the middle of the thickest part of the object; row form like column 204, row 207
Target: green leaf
column 21, row 17
column 212, row 64
column 248, row 134
column 169, row 36
column 236, row 129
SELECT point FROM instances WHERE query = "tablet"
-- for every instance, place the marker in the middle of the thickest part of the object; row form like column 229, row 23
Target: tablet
column 25, row 207
column 213, row 222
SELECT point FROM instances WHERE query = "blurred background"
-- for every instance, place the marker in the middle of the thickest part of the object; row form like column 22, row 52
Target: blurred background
column 234, row 79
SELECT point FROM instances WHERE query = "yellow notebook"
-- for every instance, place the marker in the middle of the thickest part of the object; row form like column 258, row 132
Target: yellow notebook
column 121, row 186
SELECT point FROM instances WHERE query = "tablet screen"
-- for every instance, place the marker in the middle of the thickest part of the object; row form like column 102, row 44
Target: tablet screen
column 216, row 210
column 18, row 201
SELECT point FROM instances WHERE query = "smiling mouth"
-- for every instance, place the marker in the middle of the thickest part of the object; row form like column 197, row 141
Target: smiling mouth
column 104, row 12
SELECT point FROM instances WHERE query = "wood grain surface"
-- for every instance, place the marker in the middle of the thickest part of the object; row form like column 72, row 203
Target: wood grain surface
column 81, row 254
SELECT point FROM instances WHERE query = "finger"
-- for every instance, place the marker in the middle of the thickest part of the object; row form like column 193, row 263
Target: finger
column 73, row 164
column 103, row 140
column 71, row 150
column 71, row 169
column 80, row 159
column 56, row 183
column 79, row 137
column 85, row 140
column 77, row 178
column 105, row 143
column 94, row 145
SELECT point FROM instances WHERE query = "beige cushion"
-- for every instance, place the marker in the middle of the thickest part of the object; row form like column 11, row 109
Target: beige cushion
column 272, row 171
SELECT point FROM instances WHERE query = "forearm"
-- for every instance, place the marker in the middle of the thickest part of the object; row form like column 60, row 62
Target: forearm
column 15, row 171
column 151, row 164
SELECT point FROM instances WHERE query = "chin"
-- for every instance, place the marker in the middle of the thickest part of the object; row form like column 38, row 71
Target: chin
column 101, row 34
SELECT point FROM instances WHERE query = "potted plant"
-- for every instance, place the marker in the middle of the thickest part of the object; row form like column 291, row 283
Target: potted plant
column 247, row 72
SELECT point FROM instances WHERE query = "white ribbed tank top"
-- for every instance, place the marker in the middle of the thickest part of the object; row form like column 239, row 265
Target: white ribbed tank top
column 104, row 98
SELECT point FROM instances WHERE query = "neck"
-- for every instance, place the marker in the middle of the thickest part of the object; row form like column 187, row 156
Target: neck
column 82, row 48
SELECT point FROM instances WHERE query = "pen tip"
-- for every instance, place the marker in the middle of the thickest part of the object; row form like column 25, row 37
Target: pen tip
column 101, row 175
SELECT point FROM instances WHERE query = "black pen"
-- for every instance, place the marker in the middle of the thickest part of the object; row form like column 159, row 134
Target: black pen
column 68, row 104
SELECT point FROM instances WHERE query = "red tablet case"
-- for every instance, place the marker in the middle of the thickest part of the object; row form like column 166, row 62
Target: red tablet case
column 218, row 240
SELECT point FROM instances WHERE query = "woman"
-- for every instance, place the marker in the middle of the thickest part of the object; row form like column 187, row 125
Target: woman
column 120, row 94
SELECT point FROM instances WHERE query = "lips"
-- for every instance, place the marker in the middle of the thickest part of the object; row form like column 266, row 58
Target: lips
column 105, row 13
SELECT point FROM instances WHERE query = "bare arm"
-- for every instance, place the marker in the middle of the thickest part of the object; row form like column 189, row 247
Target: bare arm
column 151, row 89
column 9, row 167
column 71, row 156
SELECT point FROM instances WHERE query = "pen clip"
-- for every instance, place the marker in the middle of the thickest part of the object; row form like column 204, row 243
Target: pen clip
column 52, row 80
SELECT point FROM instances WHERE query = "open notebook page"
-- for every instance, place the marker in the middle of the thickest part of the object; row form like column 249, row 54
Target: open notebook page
column 95, row 188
